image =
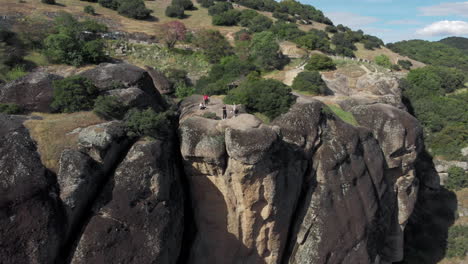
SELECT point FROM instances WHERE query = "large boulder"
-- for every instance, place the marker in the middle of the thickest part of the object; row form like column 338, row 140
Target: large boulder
column 107, row 76
column 141, row 220
column 31, row 224
column 32, row 92
column 160, row 80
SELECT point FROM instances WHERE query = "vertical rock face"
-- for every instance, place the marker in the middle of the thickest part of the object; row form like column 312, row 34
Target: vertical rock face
column 141, row 219
column 244, row 184
column 337, row 193
column 30, row 216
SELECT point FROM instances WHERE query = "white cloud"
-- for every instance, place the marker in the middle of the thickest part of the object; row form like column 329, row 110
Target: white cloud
column 446, row 9
column 445, row 28
column 350, row 19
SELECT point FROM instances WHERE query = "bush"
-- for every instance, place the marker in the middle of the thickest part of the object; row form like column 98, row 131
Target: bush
column 134, row 9
column 186, row 4
column 108, row 107
column 10, row 109
column 213, row 45
column 318, row 62
column 457, row 179
column 70, row 46
column 314, row 41
column 219, row 8
column 49, row 2
column 175, row 11
column 210, row 115
column 383, row 61
column 183, row 90
column 206, row 3
column 331, row 29
column 73, row 94
column 269, row 97
column 310, row 82
column 395, row 67
column 148, row 123
column 89, row 10
column 286, row 31
column 112, row 4
column 405, row 64
column 265, row 52
column 457, row 242
column 228, row 18
column 15, row 73
column 260, row 23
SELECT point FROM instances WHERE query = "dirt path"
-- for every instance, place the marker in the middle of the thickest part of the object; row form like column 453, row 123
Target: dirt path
column 291, row 74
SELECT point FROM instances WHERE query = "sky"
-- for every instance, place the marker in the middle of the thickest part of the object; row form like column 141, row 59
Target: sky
column 396, row 20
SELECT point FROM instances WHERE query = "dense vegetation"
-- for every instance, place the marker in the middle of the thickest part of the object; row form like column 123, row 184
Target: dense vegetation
column 73, row 94
column 310, row 82
column 442, row 111
column 318, row 62
column 457, row 242
column 456, row 42
column 433, row 53
column 130, row 8
column 269, row 97
column 457, row 179
column 10, row 109
column 75, row 42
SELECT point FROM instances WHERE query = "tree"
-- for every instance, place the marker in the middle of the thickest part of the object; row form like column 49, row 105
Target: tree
column 219, row 8
column 186, row 4
column 331, row 29
column 318, row 62
column 228, row 18
column 49, row 2
column 212, row 44
column 73, row 94
column 175, row 11
column 260, row 23
column 310, row 82
column 89, row 10
column 112, row 4
column 148, row 123
column 269, row 97
column 405, row 64
column 173, row 31
column 108, row 107
column 134, row 9
column 383, row 61
column 206, row 3
column 265, row 52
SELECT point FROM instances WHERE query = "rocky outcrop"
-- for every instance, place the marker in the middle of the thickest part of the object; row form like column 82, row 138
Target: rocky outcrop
column 344, row 193
column 32, row 92
column 141, row 220
column 160, row 81
column 31, row 222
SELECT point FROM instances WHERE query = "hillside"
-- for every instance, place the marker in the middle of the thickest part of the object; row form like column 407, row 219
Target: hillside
column 456, row 42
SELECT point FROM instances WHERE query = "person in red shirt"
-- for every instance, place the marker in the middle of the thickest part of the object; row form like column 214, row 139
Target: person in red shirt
column 205, row 99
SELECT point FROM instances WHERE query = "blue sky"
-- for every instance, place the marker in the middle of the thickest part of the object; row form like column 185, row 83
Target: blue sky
column 395, row 20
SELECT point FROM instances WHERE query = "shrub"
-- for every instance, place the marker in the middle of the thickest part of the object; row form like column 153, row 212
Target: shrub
column 73, row 94
column 89, row 10
column 15, row 73
column 183, row 90
column 269, row 97
column 134, row 9
column 219, row 8
column 49, row 2
column 210, row 115
column 108, row 107
column 228, row 18
column 457, row 179
column 405, row 64
column 260, row 23
column 265, row 52
column 310, row 82
column 331, row 29
column 213, row 45
column 186, row 4
column 383, row 61
column 173, row 31
column 395, row 67
column 313, row 41
column 10, row 109
column 70, row 46
column 286, row 31
column 206, row 3
column 457, row 242
column 175, row 11
column 112, row 4
column 147, row 123
column 318, row 62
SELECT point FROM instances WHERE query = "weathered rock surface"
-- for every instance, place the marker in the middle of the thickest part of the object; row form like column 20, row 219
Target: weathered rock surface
column 160, row 81
column 142, row 221
column 131, row 97
column 33, row 92
column 30, row 216
column 107, row 76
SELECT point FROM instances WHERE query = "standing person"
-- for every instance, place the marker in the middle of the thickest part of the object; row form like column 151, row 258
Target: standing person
column 205, row 99
column 234, row 109
column 224, row 112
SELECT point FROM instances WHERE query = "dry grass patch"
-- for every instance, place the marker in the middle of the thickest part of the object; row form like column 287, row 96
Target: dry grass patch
column 394, row 57
column 52, row 133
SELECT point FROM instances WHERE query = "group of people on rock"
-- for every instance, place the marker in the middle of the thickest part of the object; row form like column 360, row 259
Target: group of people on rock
column 205, row 101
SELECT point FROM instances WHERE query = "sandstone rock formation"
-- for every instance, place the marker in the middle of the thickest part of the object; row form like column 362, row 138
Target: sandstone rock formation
column 32, row 92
